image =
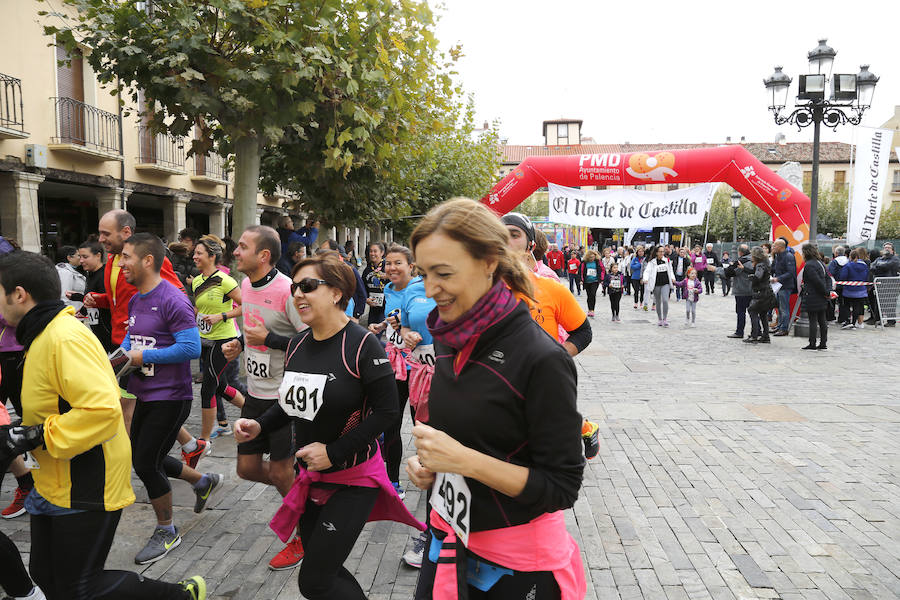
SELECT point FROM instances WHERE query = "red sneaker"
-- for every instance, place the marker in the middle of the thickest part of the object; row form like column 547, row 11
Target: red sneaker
column 288, row 558
column 192, row 458
column 17, row 507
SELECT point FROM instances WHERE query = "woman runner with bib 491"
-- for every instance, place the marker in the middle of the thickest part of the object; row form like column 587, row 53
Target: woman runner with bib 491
column 501, row 453
column 338, row 389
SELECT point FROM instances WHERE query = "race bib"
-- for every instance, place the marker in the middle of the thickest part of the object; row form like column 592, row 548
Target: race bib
column 203, row 325
column 93, row 316
column 142, row 342
column 258, row 365
column 30, row 461
column 395, row 337
column 591, row 272
column 453, row 501
column 615, row 283
column 424, row 354
column 710, row 261
column 301, row 394
column 661, row 268
column 377, row 299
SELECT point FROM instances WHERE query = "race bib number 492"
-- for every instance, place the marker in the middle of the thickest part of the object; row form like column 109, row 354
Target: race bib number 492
column 452, row 499
column 301, row 394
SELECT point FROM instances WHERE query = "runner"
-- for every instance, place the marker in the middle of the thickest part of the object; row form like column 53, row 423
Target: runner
column 217, row 299
column 500, row 450
column 72, row 424
column 115, row 227
column 399, row 267
column 268, row 310
column 339, row 391
column 555, row 309
column 162, row 339
column 98, row 319
column 375, row 279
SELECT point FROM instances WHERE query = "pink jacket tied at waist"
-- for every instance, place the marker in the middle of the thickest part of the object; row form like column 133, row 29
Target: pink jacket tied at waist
column 539, row 545
column 398, row 361
column 388, row 506
column 419, row 387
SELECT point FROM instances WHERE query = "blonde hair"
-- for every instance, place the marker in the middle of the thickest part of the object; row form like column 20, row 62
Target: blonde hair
column 482, row 235
column 590, row 255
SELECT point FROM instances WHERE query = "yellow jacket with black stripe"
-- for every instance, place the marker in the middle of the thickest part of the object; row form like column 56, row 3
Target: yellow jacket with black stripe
column 69, row 386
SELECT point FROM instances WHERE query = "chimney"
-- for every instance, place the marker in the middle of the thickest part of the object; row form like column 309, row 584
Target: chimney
column 728, row 139
column 743, row 139
column 486, row 126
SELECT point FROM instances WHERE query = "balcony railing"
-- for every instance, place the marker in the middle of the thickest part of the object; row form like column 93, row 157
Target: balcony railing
column 12, row 106
column 162, row 151
column 81, row 124
column 210, row 167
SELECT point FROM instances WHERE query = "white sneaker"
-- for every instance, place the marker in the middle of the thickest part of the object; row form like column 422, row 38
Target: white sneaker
column 693, row 324
column 860, row 325
column 413, row 557
column 36, row 594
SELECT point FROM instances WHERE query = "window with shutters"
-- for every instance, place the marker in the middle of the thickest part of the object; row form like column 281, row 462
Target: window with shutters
column 70, row 90
column 840, row 181
column 807, row 182
column 895, row 185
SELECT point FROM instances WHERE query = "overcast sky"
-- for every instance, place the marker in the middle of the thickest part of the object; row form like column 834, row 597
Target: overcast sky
column 667, row 72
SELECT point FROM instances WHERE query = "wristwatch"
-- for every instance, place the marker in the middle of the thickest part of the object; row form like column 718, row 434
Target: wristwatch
column 224, row 317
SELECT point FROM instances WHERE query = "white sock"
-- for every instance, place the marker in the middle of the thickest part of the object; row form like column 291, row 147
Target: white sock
column 191, row 446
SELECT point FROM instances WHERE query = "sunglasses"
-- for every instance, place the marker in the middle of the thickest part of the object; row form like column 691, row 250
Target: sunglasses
column 307, row 285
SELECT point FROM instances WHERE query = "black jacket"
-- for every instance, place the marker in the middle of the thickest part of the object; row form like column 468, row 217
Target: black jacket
column 886, row 266
column 816, row 286
column 514, row 400
column 685, row 265
column 739, row 270
column 763, row 296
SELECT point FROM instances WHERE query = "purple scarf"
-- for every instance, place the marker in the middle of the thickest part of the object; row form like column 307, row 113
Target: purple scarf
column 463, row 333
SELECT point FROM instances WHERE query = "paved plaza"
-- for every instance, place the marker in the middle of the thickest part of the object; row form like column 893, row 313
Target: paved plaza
column 727, row 470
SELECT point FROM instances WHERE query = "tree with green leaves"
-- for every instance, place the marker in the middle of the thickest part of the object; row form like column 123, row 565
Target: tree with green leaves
column 343, row 81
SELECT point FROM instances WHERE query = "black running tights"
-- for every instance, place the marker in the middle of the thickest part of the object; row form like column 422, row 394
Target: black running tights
column 154, row 428
column 638, row 287
column 393, row 444
column 328, row 532
column 67, row 557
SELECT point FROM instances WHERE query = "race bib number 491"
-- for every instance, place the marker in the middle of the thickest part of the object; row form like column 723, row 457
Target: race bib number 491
column 452, row 499
column 301, row 394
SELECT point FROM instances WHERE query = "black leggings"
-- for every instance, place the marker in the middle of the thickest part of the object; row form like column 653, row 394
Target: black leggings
column 232, row 376
column 535, row 585
column 11, row 364
column 591, row 289
column 710, row 278
column 638, row 288
column 215, row 383
column 154, row 428
column 67, row 557
column 614, row 298
column 328, row 532
column 393, row 445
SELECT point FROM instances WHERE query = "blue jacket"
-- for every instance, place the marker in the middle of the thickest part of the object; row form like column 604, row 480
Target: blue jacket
column 855, row 270
column 784, row 269
column 636, row 265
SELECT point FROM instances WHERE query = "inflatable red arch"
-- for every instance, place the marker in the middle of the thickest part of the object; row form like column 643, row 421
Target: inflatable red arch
column 786, row 205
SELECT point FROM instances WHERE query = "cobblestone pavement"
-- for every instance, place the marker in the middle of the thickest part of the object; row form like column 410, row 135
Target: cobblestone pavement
column 727, row 470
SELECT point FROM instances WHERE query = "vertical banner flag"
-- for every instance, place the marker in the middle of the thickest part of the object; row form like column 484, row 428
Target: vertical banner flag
column 873, row 150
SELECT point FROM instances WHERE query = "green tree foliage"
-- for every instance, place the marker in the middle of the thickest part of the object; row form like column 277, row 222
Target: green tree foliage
column 340, row 83
column 889, row 224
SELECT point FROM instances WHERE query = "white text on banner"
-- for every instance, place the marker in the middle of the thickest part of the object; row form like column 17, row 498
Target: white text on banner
column 624, row 208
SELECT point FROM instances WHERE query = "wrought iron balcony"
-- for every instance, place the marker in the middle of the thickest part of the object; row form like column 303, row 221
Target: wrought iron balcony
column 210, row 168
column 85, row 130
column 161, row 152
column 12, row 107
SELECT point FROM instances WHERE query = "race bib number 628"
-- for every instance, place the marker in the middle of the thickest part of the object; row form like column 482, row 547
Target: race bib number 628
column 258, row 365
column 452, row 499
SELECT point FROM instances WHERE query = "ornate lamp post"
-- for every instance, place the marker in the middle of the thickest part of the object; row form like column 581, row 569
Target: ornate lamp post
column 849, row 92
column 735, row 204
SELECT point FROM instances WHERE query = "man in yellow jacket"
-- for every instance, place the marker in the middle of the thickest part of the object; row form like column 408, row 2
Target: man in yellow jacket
column 72, row 424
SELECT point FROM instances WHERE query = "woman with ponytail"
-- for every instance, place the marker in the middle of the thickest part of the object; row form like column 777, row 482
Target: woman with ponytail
column 501, row 451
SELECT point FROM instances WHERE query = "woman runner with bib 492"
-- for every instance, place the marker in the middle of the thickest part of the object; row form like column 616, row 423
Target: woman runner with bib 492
column 339, row 391
column 501, row 453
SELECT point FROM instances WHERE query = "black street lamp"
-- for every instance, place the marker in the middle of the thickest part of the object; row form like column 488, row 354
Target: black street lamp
column 735, row 204
column 848, row 92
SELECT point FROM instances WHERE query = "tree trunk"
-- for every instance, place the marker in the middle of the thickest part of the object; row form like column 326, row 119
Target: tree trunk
column 247, row 153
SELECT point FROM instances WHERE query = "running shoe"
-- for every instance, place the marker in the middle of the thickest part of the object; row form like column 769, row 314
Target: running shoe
column 192, row 458
column 399, row 489
column 288, row 558
column 207, row 492
column 34, row 594
column 849, row 326
column 665, row 323
column 195, row 586
column 645, row 308
column 208, row 450
column 161, row 543
column 17, row 506
column 220, row 430
column 590, row 435
column 413, row 557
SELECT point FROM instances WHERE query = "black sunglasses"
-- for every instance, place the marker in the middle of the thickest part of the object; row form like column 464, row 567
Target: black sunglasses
column 307, row 285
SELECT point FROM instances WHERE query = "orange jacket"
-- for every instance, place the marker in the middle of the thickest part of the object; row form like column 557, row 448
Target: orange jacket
column 118, row 304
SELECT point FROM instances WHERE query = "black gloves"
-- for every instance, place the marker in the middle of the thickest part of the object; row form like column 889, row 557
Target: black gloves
column 18, row 439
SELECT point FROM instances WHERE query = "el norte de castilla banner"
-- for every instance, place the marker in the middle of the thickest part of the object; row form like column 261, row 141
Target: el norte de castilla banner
column 873, row 151
column 624, row 208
